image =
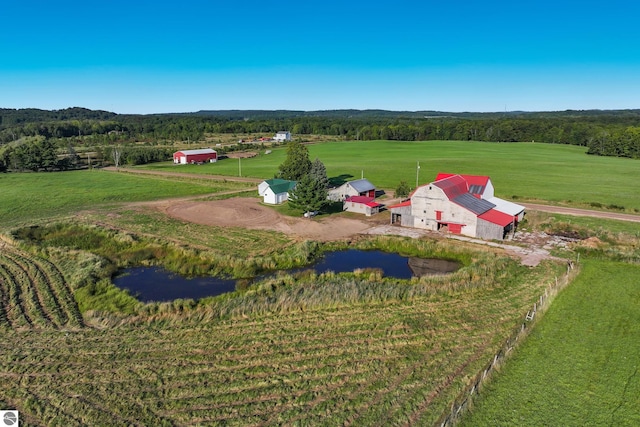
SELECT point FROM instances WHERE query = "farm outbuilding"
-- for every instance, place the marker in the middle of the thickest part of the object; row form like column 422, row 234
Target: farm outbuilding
column 459, row 204
column 361, row 204
column 275, row 191
column 359, row 187
column 202, row 155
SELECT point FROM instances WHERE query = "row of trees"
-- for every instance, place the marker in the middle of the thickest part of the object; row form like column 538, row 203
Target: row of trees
column 619, row 143
column 36, row 154
column 611, row 134
column 41, row 154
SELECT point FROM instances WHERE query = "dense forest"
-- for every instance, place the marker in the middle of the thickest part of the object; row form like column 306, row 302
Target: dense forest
column 28, row 136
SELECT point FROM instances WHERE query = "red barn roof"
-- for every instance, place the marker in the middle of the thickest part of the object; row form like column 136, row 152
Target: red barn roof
column 402, row 204
column 369, row 201
column 453, row 186
column 497, row 217
column 476, row 183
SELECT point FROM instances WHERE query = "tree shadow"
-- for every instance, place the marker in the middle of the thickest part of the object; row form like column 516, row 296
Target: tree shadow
column 337, row 181
column 332, row 208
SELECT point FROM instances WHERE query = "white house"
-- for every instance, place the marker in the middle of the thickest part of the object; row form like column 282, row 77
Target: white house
column 275, row 191
column 282, row 136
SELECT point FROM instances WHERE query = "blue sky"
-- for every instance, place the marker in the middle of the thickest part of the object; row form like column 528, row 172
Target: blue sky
column 155, row 57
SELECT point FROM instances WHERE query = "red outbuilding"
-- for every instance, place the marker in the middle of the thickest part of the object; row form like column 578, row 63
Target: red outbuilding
column 195, row 156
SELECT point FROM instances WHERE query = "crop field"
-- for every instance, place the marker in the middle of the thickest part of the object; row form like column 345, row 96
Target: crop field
column 34, row 293
column 525, row 171
column 388, row 363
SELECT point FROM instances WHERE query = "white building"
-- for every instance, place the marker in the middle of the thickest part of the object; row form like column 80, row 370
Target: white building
column 282, row 136
column 275, row 191
column 359, row 187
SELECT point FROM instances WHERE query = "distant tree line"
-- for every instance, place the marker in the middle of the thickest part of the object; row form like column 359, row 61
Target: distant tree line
column 607, row 133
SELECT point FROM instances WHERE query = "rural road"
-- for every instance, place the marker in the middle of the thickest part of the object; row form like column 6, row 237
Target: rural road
column 581, row 212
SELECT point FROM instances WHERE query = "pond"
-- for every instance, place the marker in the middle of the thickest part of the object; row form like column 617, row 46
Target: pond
column 157, row 284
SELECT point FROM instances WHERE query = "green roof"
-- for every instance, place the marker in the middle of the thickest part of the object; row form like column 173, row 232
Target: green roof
column 278, row 185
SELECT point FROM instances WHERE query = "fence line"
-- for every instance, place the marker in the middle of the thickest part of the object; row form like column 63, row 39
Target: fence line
column 461, row 404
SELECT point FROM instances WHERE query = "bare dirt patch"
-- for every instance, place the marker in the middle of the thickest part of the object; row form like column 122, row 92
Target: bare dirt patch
column 241, row 154
column 250, row 213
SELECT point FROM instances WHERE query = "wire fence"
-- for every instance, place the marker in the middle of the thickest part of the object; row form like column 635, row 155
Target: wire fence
column 451, row 417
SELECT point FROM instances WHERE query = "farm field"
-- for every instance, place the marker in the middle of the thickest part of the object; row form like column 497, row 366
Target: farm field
column 560, row 174
column 396, row 361
column 579, row 366
column 308, row 350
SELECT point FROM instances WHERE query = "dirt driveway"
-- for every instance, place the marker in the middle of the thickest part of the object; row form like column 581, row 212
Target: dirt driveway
column 248, row 212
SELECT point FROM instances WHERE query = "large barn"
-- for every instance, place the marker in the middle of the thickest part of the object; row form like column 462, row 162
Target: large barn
column 202, row 155
column 459, row 204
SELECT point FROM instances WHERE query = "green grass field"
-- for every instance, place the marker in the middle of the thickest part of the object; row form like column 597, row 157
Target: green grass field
column 528, row 171
column 579, row 366
column 27, row 197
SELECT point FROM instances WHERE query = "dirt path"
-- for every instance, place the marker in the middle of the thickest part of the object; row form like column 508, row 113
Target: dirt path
column 248, row 212
column 185, row 175
column 581, row 212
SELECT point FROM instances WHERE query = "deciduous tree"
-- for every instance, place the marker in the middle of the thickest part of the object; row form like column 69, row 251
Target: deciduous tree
column 403, row 189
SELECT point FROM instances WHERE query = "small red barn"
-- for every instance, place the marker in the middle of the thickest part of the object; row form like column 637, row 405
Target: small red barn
column 361, row 204
column 195, row 156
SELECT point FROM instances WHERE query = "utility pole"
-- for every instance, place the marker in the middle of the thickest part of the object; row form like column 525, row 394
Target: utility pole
column 417, row 174
column 239, row 166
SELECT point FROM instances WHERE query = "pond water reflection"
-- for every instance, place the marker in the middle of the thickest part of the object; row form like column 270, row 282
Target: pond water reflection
column 157, row 284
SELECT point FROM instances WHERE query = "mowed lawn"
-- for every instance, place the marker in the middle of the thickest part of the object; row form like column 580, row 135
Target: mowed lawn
column 525, row 171
column 580, row 365
column 28, row 196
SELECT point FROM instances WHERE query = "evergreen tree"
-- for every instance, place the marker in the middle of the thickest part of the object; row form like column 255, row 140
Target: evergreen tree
column 309, row 195
column 48, row 156
column 319, row 172
column 297, row 163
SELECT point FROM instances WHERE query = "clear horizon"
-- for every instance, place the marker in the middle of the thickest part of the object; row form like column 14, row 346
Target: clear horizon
column 166, row 57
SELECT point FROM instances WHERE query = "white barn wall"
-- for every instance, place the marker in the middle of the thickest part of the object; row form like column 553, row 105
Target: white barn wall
column 430, row 198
